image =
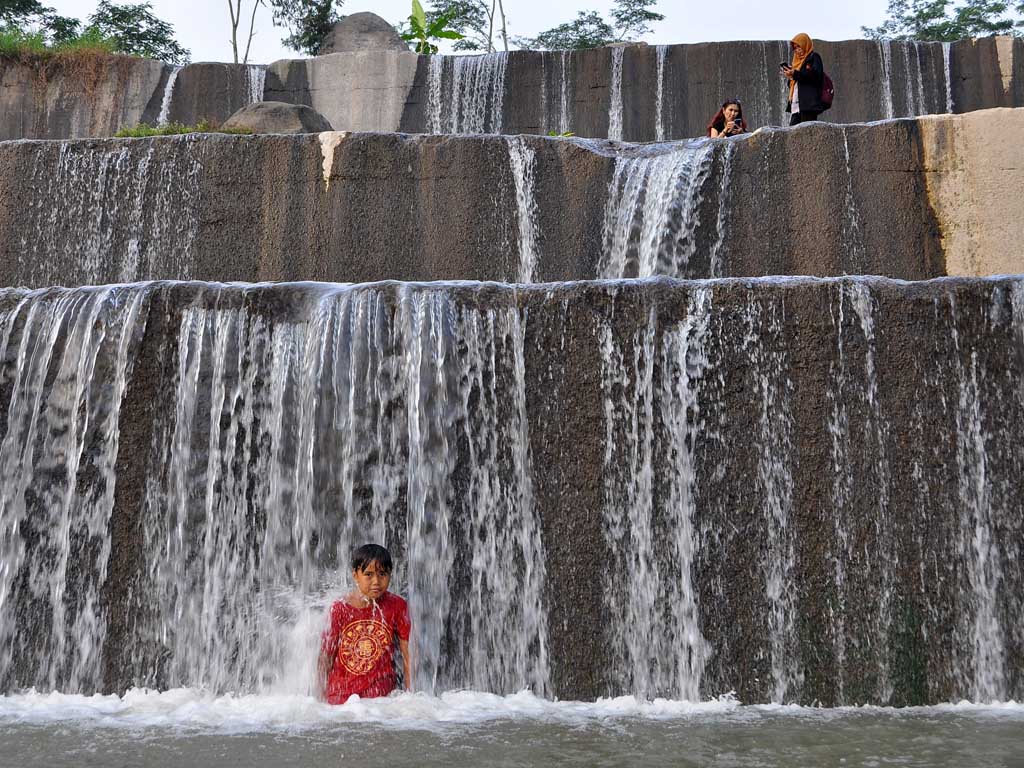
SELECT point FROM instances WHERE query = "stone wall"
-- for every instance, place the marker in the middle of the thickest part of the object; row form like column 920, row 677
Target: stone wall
column 908, row 199
column 96, row 97
column 645, row 93
column 636, row 93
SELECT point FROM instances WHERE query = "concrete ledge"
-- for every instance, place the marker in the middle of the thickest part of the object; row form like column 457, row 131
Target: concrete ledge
column 911, row 199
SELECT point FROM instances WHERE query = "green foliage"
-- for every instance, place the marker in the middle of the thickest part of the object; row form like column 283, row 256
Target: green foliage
column 32, row 17
column 630, row 19
column 15, row 43
column 137, row 31
column 308, row 22
column 633, row 19
column 470, row 18
column 941, row 20
column 143, row 131
column 30, row 29
column 423, row 30
column 562, row 135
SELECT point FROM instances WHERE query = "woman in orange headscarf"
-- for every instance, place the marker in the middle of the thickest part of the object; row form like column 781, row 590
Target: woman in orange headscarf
column 805, row 74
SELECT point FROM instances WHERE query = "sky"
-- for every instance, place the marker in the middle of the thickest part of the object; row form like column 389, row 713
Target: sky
column 203, row 26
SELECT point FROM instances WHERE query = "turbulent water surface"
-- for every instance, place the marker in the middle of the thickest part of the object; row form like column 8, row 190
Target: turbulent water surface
column 184, row 727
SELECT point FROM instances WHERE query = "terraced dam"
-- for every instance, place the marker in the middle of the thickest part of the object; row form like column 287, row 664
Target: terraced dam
column 687, row 446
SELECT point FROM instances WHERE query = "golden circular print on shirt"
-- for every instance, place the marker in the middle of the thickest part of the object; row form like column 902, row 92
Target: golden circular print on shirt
column 362, row 644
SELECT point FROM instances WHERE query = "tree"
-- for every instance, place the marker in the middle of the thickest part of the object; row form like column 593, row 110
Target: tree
column 235, row 9
column 33, row 15
column 308, row 22
column 137, row 31
column 475, row 20
column 587, row 30
column 936, row 20
column 630, row 19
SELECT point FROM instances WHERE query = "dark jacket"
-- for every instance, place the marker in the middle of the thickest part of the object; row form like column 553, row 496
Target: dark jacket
column 809, row 79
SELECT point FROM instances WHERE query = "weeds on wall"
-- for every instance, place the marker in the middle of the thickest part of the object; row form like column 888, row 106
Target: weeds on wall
column 144, row 131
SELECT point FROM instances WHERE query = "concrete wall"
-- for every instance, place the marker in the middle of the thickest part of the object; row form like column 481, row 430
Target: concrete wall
column 98, row 97
column 664, row 91
column 72, row 99
column 908, row 199
column 530, row 92
column 851, row 434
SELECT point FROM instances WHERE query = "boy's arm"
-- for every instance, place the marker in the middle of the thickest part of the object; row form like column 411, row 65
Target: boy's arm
column 403, row 645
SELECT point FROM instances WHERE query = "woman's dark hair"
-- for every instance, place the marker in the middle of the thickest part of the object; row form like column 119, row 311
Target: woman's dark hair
column 718, row 121
column 367, row 554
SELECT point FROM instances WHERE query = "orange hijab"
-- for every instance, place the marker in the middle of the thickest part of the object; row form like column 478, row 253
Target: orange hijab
column 805, row 42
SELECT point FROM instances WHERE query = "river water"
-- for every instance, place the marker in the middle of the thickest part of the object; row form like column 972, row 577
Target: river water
column 186, row 727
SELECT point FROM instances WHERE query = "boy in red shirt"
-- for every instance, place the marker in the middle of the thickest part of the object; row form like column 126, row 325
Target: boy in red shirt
column 357, row 649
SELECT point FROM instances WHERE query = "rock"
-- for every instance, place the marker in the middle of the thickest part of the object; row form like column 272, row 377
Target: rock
column 278, row 117
column 362, row 32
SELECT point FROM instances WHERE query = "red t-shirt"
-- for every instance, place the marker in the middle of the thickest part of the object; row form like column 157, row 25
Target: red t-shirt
column 360, row 645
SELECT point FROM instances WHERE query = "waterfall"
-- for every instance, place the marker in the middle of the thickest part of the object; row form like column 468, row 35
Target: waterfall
column 659, row 117
column 885, row 88
column 977, row 539
column 564, row 93
column 149, row 196
column 165, row 104
column 521, row 161
column 615, row 96
column 947, row 55
column 652, row 211
column 916, row 100
column 715, row 266
column 854, row 397
column 649, row 591
column 466, row 94
column 852, row 234
column 283, row 445
column 256, row 78
column 66, row 360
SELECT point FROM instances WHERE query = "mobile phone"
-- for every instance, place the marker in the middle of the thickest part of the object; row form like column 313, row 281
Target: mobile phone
column 783, row 64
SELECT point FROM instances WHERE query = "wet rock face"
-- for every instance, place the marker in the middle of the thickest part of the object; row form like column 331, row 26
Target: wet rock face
column 363, row 31
column 802, row 490
column 275, row 117
column 893, row 199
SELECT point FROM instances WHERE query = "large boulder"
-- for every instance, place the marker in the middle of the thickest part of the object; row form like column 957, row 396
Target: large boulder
column 278, row 117
column 362, row 32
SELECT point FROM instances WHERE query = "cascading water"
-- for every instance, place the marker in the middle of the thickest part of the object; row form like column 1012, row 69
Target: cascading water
column 165, row 104
column 947, row 66
column 150, row 198
column 885, row 56
column 615, row 96
column 652, row 211
column 466, row 93
column 649, row 589
column 256, row 78
column 565, row 93
column 659, row 97
column 853, row 236
column 66, row 359
column 394, row 416
column 521, row 161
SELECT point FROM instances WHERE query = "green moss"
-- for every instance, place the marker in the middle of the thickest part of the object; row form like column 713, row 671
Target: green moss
column 144, row 131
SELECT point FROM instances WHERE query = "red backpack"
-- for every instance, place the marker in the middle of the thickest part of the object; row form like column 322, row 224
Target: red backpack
column 828, row 91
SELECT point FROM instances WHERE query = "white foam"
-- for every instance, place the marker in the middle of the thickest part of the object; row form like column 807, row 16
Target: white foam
column 192, row 708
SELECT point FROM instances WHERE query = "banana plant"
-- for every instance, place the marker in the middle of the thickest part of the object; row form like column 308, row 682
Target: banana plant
column 422, row 32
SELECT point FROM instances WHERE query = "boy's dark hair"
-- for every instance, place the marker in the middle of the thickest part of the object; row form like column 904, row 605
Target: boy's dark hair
column 371, row 553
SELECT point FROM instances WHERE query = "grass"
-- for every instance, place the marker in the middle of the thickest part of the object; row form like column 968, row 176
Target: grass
column 144, row 131
column 32, row 46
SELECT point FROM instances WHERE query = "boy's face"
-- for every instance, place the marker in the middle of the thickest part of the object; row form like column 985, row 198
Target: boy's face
column 372, row 581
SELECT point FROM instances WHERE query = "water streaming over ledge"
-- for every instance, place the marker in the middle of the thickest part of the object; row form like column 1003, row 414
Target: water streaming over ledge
column 466, row 94
column 756, row 520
